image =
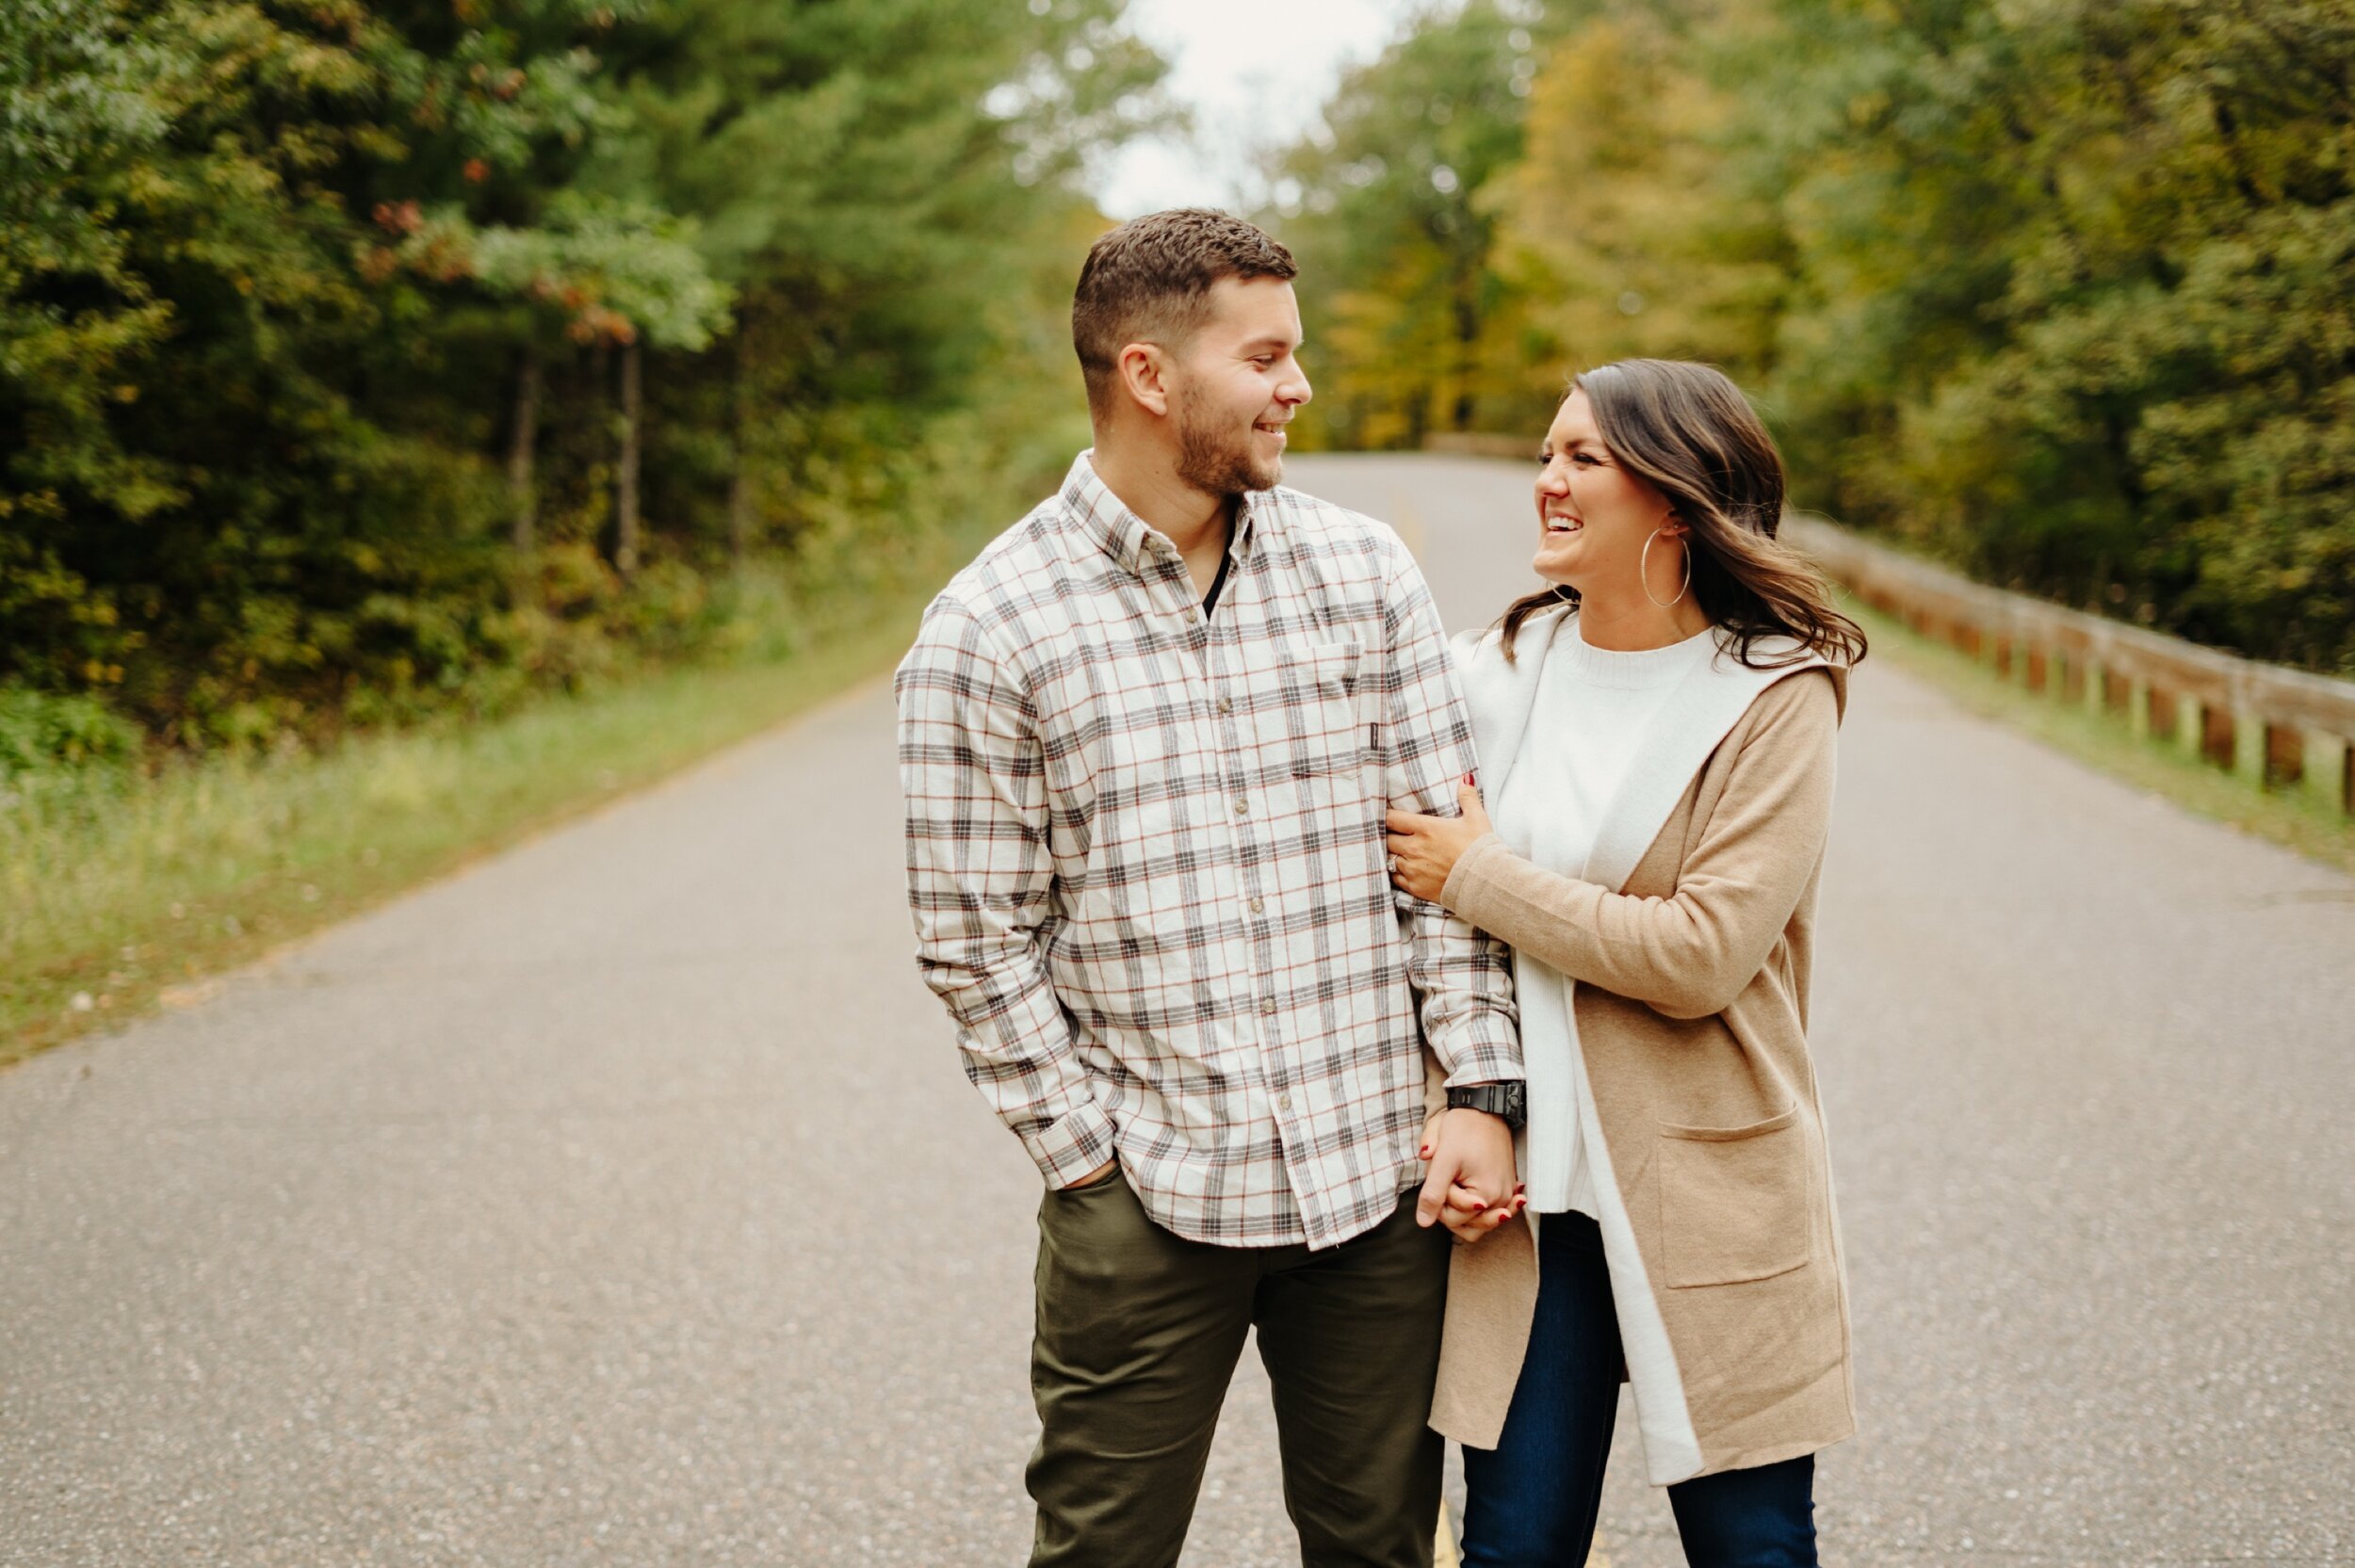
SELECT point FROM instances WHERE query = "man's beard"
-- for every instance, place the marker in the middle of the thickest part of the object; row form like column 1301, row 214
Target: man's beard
column 1214, row 462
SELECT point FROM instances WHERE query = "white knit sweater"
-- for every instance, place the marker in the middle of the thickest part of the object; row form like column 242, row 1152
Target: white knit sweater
column 1592, row 708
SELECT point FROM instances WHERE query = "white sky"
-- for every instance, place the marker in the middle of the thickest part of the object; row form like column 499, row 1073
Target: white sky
column 1255, row 73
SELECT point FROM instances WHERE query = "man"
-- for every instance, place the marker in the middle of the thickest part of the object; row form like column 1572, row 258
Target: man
column 1148, row 740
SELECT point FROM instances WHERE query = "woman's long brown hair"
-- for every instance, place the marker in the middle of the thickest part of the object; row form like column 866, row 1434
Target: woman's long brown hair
column 1688, row 430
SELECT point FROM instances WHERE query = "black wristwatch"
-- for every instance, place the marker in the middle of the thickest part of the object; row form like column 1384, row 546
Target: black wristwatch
column 1510, row 1101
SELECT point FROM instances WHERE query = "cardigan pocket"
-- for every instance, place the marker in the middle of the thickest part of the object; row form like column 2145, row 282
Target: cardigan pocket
column 1733, row 1202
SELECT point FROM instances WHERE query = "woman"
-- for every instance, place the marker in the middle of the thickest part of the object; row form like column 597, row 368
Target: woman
column 1657, row 735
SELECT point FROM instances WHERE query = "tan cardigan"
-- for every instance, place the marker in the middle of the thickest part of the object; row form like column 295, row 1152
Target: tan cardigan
column 1690, row 997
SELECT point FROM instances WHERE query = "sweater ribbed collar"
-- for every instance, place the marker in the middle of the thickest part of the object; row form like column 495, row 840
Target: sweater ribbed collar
column 1614, row 670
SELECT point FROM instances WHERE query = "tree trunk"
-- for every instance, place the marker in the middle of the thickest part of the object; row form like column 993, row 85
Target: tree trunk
column 601, row 438
column 625, row 472
column 519, row 452
column 740, row 514
column 1466, row 346
column 740, row 480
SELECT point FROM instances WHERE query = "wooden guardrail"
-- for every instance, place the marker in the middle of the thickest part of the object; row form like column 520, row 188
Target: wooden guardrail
column 2279, row 728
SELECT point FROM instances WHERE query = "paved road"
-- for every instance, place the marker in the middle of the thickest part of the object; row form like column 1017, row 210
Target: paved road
column 620, row 1202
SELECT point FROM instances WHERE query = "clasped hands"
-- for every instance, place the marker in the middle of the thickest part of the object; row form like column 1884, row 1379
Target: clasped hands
column 1472, row 1189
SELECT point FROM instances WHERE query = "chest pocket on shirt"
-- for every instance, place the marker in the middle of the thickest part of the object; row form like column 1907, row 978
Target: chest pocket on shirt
column 1331, row 748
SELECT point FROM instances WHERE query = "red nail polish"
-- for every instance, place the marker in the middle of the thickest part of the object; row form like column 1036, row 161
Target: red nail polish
column 1424, row 1152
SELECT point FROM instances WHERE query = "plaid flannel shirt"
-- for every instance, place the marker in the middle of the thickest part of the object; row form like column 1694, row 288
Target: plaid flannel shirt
column 1146, row 860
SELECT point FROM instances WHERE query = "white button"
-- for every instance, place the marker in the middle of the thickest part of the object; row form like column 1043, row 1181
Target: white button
column 1267, row 1004
column 1243, row 808
column 1257, row 906
column 1283, row 1102
column 1225, row 704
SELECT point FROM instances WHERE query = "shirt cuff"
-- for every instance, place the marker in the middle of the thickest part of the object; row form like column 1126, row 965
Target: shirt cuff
column 1069, row 1148
column 1487, row 1051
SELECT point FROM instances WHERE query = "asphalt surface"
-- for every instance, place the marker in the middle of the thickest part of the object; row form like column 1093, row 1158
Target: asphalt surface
column 620, row 1200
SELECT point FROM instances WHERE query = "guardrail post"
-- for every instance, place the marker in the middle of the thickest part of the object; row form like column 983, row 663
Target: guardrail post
column 2325, row 769
column 2215, row 736
column 2247, row 757
column 2251, row 756
column 2116, row 693
column 2284, row 756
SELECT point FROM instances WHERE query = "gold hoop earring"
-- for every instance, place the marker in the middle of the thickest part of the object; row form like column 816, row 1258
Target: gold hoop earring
column 1642, row 571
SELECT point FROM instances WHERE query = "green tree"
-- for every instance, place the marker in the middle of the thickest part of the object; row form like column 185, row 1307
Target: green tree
column 870, row 178
column 2056, row 290
column 1621, row 232
column 360, row 358
column 1395, row 235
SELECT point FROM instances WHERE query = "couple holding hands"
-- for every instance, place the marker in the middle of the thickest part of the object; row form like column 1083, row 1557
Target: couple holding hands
column 1295, row 944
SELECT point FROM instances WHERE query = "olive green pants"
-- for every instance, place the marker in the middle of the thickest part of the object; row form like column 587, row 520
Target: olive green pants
column 1138, row 1335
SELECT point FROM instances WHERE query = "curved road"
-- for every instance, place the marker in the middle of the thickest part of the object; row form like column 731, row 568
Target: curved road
column 620, row 1200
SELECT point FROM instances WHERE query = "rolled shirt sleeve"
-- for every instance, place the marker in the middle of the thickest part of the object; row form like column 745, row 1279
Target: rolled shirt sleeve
column 1462, row 975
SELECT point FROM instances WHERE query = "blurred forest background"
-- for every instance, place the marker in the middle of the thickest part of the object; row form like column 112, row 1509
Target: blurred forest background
column 368, row 361
column 2061, row 292
column 422, row 419
column 363, row 360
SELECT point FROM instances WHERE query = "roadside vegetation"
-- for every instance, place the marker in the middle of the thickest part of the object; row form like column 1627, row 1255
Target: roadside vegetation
column 419, row 418
column 130, row 885
column 2303, row 820
column 2056, row 293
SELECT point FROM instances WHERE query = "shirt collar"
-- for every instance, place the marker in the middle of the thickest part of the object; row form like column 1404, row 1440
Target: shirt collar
column 1129, row 539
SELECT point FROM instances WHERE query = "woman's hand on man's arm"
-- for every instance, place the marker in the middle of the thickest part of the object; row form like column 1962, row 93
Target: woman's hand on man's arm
column 1423, row 850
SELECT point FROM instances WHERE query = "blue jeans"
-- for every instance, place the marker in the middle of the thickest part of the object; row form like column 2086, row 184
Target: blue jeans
column 1531, row 1500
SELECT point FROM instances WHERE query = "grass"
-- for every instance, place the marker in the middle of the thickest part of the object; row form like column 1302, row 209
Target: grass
column 2103, row 741
column 123, row 891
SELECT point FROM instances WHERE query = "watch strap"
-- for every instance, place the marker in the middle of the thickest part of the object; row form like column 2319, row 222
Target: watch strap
column 1507, row 1101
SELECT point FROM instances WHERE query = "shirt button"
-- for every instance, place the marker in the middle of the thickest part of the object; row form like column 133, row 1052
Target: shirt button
column 1243, row 808
column 1267, row 1004
column 1256, row 905
column 1283, row 1102
column 1225, row 704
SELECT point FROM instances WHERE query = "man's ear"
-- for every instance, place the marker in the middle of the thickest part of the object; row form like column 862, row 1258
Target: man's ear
column 1143, row 371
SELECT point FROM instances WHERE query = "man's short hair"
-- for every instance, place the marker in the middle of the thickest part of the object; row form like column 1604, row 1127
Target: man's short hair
column 1150, row 281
